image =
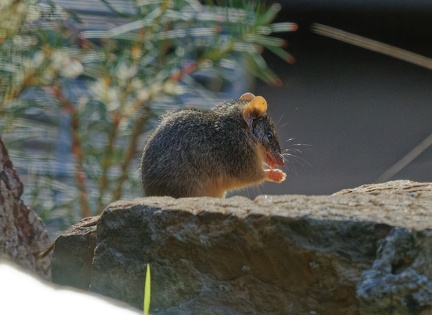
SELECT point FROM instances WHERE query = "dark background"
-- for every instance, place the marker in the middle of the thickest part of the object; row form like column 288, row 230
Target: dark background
column 358, row 111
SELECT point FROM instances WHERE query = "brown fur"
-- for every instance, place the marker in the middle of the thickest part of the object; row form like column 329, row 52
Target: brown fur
column 196, row 153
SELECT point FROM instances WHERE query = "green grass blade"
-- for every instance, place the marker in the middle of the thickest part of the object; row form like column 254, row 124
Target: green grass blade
column 147, row 291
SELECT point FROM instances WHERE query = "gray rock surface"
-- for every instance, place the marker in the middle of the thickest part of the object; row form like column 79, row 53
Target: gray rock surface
column 22, row 232
column 361, row 251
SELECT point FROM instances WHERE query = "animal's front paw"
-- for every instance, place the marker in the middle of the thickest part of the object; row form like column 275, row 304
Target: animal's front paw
column 275, row 175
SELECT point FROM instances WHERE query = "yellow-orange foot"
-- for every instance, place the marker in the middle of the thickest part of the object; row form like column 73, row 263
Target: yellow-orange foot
column 275, row 175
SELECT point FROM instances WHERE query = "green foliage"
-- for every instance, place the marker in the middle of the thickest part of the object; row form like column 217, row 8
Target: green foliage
column 107, row 85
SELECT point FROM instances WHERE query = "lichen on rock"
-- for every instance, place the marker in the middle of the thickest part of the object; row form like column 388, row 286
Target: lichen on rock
column 393, row 283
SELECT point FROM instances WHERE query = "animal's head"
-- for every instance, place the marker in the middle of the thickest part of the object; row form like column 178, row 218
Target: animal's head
column 261, row 125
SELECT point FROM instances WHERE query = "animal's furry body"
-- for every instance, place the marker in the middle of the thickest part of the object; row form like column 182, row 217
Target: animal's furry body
column 206, row 153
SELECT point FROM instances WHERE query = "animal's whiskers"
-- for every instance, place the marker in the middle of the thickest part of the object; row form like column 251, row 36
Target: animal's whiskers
column 292, row 159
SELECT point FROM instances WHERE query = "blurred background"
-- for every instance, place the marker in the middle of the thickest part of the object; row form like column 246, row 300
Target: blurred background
column 345, row 115
column 359, row 112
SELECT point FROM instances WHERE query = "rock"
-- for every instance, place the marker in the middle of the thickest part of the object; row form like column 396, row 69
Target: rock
column 23, row 234
column 22, row 293
column 75, row 269
column 361, row 251
column 399, row 277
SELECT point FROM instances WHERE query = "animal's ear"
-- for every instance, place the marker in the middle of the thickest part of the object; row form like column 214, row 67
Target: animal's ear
column 255, row 109
column 247, row 97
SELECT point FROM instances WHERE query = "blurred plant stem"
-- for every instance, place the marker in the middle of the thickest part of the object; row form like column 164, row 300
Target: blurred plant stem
column 131, row 150
column 116, row 118
column 76, row 147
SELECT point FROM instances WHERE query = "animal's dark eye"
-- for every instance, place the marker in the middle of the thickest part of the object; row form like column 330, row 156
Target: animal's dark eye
column 269, row 135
